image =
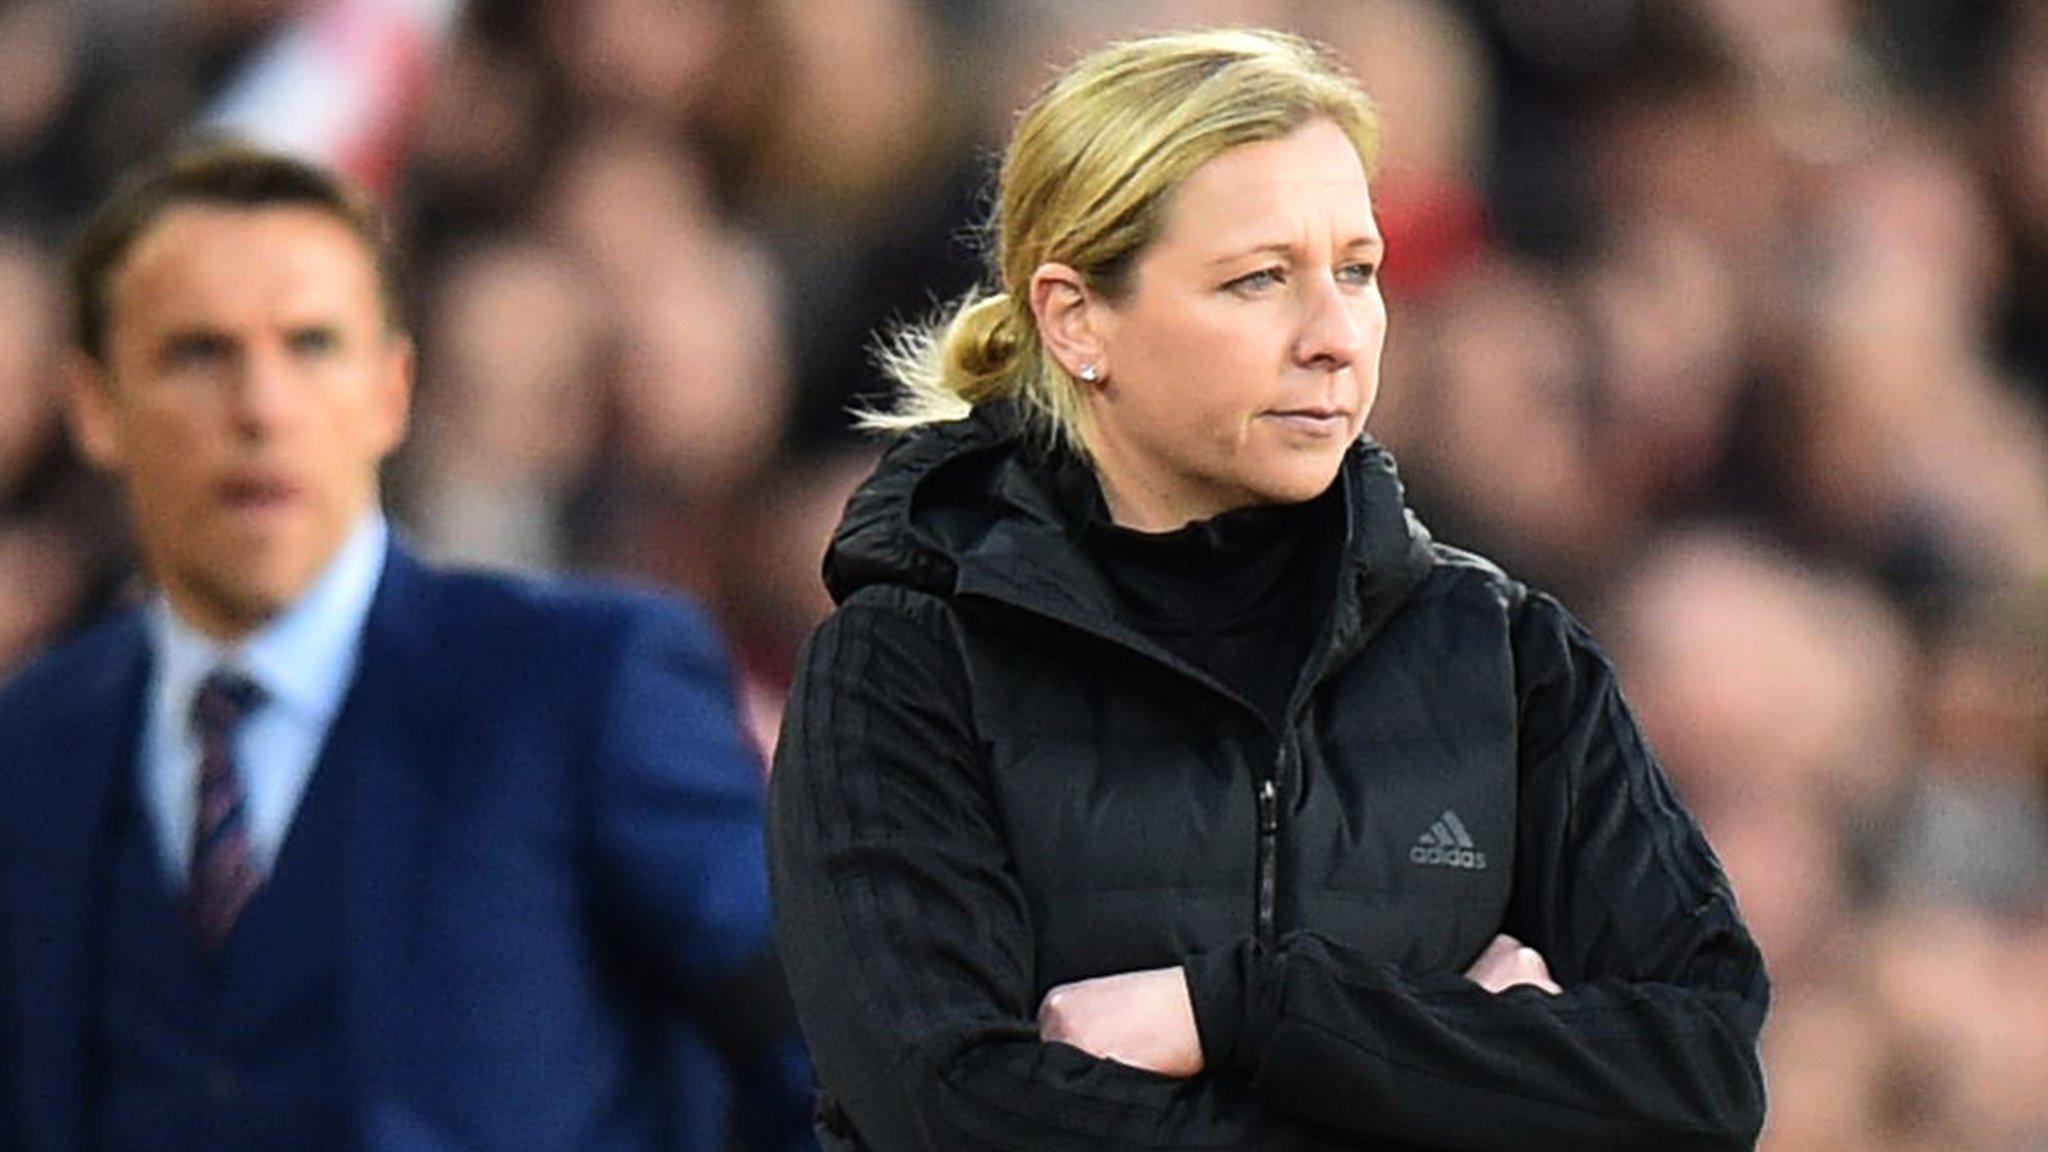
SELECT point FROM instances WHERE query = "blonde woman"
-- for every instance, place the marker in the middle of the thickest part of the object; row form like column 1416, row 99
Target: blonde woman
column 1158, row 782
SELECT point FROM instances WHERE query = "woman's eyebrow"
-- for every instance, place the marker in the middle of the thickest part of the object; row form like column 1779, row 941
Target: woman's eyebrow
column 1371, row 243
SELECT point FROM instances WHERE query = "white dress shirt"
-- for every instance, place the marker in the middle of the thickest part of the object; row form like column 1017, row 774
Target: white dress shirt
column 304, row 660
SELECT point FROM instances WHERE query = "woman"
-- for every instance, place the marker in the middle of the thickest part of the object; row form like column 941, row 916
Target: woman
column 1158, row 782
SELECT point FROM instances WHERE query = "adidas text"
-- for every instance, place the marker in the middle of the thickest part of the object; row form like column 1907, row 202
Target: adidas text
column 1449, row 857
column 1448, row 843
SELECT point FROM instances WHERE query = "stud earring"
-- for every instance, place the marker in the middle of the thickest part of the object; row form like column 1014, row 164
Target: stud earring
column 1090, row 373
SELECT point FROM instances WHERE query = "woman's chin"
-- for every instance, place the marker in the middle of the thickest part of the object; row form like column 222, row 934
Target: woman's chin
column 1297, row 480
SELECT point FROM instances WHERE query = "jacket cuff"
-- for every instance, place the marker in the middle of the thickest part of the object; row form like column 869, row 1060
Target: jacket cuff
column 1236, row 997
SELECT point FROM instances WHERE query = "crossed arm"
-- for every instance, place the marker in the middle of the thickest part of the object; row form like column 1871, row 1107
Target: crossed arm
column 1147, row 1019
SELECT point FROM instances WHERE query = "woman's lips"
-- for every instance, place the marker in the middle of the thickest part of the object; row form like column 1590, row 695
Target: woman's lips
column 1318, row 422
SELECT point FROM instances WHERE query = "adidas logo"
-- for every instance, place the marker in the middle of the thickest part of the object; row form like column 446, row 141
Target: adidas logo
column 1447, row 843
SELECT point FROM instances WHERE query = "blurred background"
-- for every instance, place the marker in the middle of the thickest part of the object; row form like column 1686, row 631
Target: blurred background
column 1724, row 320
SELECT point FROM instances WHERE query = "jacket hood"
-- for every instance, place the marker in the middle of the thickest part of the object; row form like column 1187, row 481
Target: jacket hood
column 959, row 508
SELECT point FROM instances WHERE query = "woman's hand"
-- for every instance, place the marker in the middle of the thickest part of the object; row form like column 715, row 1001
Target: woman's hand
column 1146, row 1020
column 1506, row 963
column 1143, row 1019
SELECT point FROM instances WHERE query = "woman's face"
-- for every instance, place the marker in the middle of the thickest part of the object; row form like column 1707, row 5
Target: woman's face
column 1242, row 361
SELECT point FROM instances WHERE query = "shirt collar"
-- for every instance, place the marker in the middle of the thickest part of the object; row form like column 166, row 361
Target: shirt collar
column 305, row 657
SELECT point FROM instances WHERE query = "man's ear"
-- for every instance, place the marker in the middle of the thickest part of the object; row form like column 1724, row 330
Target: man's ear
column 90, row 408
column 1075, row 324
column 394, row 398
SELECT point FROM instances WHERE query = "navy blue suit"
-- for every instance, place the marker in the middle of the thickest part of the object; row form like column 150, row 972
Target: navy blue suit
column 549, row 831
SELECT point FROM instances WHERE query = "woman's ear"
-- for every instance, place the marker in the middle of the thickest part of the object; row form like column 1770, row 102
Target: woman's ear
column 1074, row 322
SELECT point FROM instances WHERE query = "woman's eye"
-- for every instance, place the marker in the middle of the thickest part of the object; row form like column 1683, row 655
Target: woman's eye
column 1255, row 281
column 1361, row 272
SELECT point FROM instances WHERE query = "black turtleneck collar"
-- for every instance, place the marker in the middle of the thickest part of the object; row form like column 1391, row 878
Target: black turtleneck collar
column 1240, row 595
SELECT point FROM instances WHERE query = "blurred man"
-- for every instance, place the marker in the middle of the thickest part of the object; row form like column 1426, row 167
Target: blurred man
column 324, row 848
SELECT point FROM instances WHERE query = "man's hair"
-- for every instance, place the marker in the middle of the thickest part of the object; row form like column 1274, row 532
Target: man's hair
column 233, row 175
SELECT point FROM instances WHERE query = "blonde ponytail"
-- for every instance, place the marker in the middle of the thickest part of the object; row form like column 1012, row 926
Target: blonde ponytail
column 983, row 348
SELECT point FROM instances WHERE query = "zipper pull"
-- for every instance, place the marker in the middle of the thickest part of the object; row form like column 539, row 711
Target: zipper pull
column 1269, row 858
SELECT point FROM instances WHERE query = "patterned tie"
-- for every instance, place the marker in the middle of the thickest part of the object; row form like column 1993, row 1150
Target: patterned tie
column 224, row 874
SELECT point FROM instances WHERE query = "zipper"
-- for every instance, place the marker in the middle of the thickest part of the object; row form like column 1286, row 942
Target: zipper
column 1269, row 845
column 1266, row 783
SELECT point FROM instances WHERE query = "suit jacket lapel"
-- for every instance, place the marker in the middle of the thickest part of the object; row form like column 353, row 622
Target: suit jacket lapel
column 384, row 740
column 57, row 898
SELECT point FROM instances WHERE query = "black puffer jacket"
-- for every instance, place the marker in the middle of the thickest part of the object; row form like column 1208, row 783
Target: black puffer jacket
column 988, row 784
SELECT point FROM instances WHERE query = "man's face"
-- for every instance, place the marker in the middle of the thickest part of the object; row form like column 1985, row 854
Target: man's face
column 250, row 387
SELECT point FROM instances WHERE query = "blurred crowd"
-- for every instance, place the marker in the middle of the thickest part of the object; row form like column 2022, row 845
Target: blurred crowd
column 1724, row 320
